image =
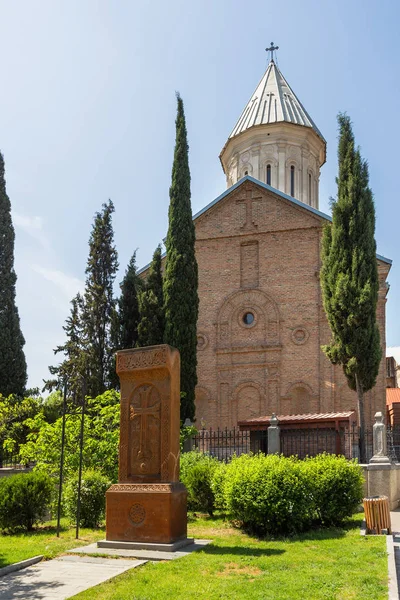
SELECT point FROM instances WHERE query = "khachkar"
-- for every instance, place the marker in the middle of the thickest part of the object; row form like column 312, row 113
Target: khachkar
column 148, row 505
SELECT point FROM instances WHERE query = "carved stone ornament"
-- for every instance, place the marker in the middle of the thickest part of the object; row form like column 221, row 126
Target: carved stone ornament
column 161, row 488
column 148, row 357
column 202, row 341
column 137, row 514
column 300, row 335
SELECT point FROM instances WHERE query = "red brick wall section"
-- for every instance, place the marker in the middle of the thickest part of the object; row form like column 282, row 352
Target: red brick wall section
column 260, row 254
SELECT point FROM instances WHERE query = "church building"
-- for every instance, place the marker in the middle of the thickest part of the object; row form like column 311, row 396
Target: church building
column 258, row 245
column 261, row 321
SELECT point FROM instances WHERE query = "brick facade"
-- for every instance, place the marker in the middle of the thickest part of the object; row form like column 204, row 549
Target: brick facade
column 259, row 255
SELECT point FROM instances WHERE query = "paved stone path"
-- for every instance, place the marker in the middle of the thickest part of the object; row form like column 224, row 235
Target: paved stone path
column 395, row 522
column 143, row 554
column 61, row 577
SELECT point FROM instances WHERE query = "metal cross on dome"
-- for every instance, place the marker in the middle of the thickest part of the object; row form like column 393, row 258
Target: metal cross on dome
column 271, row 49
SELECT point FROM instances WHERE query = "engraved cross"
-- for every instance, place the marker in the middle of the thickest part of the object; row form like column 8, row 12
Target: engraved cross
column 143, row 412
column 250, row 205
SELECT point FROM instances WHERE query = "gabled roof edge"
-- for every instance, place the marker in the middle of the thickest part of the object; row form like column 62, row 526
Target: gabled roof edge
column 315, row 211
column 269, row 188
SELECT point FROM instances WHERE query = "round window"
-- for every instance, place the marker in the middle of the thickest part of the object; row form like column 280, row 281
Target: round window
column 248, row 318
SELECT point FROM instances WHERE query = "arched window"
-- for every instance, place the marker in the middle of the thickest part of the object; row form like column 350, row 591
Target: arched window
column 292, row 180
column 309, row 189
column 269, row 174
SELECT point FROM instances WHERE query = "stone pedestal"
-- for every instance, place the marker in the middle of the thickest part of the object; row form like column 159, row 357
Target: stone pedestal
column 148, row 505
column 142, row 512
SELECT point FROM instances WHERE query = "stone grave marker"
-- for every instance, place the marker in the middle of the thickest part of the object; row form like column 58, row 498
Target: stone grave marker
column 148, row 504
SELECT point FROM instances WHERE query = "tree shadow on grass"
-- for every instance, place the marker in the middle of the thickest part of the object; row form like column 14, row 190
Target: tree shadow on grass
column 26, row 584
column 327, row 533
column 38, row 530
column 241, row 550
column 313, row 534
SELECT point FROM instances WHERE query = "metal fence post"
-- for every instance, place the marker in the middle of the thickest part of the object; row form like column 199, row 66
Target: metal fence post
column 60, row 483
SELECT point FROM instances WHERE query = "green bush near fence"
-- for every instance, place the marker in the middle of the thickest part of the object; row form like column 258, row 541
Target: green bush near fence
column 92, row 506
column 197, row 472
column 268, row 494
column 24, row 500
column 336, row 487
column 274, row 494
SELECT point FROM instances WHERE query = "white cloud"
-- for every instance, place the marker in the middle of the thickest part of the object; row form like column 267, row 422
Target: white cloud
column 68, row 285
column 394, row 351
column 33, row 226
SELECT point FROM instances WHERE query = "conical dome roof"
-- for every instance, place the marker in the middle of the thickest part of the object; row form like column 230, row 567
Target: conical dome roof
column 273, row 101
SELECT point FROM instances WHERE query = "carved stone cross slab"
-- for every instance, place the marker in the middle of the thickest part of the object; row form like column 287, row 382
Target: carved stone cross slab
column 149, row 436
column 148, row 504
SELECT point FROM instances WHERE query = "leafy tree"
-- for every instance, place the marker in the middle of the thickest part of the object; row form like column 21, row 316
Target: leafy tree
column 101, row 435
column 129, row 306
column 151, row 305
column 99, row 302
column 181, row 300
column 349, row 275
column 14, row 411
column 13, row 375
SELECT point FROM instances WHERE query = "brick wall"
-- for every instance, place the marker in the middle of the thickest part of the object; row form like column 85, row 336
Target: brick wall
column 259, row 255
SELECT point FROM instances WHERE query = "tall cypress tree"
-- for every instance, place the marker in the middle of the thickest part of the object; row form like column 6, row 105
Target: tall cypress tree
column 13, row 375
column 99, row 303
column 129, row 306
column 74, row 366
column 151, row 305
column 349, row 275
column 181, row 300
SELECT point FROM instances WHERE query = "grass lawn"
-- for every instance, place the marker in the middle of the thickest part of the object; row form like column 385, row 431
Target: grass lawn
column 334, row 564
column 44, row 540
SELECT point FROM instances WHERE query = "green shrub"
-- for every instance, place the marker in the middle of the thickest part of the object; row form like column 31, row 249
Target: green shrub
column 197, row 470
column 93, row 489
column 336, row 487
column 24, row 500
column 278, row 495
column 188, row 460
column 218, row 483
column 268, row 494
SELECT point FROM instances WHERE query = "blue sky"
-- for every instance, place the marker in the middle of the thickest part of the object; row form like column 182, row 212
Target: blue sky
column 87, row 109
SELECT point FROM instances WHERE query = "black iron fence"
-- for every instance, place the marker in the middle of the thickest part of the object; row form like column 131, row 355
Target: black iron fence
column 301, row 442
column 10, row 461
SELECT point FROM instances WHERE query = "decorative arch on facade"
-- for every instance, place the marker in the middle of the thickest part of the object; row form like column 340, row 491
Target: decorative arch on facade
column 233, row 328
column 246, row 169
column 247, row 401
column 205, row 408
column 299, row 399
